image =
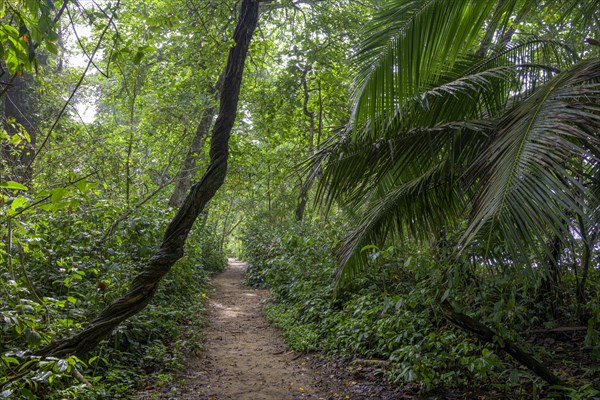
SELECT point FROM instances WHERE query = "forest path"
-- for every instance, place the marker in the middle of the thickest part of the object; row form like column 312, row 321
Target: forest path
column 244, row 357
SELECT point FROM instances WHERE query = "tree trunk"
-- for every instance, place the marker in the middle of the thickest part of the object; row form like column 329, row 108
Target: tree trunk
column 307, row 184
column 548, row 293
column 145, row 284
column 486, row 42
column 189, row 166
column 506, row 36
column 18, row 97
column 487, row 335
column 588, row 239
column 17, row 105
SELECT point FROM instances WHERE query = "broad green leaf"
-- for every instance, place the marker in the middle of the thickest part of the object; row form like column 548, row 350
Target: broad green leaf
column 32, row 337
column 44, row 25
column 81, row 185
column 138, row 57
column 58, row 194
column 28, row 394
column 33, row 7
column 25, row 134
column 8, row 360
column 46, row 207
column 19, row 201
column 9, row 30
column 12, row 185
column 369, row 247
column 51, row 47
column 15, row 139
column 52, row 36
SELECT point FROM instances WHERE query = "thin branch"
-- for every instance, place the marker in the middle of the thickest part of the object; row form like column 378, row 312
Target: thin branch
column 45, row 198
column 8, row 84
column 90, row 59
column 126, row 214
column 62, row 111
column 60, row 12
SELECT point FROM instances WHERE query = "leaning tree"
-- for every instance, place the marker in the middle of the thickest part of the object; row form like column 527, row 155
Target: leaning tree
column 145, row 284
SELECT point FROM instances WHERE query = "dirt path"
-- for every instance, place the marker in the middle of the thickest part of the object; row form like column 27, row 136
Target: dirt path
column 245, row 358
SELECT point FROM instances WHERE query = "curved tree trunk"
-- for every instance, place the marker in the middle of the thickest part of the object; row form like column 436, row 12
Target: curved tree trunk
column 145, row 284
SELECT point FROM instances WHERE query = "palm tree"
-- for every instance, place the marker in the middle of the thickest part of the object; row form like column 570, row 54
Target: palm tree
column 458, row 125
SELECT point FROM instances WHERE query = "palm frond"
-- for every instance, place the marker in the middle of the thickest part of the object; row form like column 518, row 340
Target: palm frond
column 416, row 137
column 411, row 44
column 413, row 209
column 579, row 14
column 526, row 182
column 439, row 134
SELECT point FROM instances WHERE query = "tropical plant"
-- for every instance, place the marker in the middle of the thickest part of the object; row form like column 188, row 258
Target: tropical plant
column 464, row 119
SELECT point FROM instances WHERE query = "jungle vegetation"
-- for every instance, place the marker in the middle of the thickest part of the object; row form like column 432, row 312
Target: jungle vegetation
column 416, row 182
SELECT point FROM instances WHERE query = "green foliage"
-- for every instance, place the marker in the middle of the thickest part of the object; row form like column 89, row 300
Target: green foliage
column 391, row 312
column 449, row 128
column 442, row 143
column 59, row 275
column 386, row 315
column 75, row 233
column 29, row 25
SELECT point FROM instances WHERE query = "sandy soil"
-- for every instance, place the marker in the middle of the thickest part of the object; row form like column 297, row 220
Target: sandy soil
column 245, row 358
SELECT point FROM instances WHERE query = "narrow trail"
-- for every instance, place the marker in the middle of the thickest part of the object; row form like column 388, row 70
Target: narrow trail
column 244, row 357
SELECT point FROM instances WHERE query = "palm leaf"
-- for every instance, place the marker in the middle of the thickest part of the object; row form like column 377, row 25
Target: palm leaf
column 412, row 43
column 434, row 127
column 526, row 182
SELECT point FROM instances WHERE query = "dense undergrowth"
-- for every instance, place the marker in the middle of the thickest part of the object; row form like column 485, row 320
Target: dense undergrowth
column 390, row 316
column 62, row 269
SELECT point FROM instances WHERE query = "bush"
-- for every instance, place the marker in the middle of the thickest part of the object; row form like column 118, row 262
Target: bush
column 53, row 289
column 388, row 313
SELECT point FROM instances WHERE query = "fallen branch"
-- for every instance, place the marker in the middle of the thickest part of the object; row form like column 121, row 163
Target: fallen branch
column 77, row 375
column 487, row 335
column 371, row 363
